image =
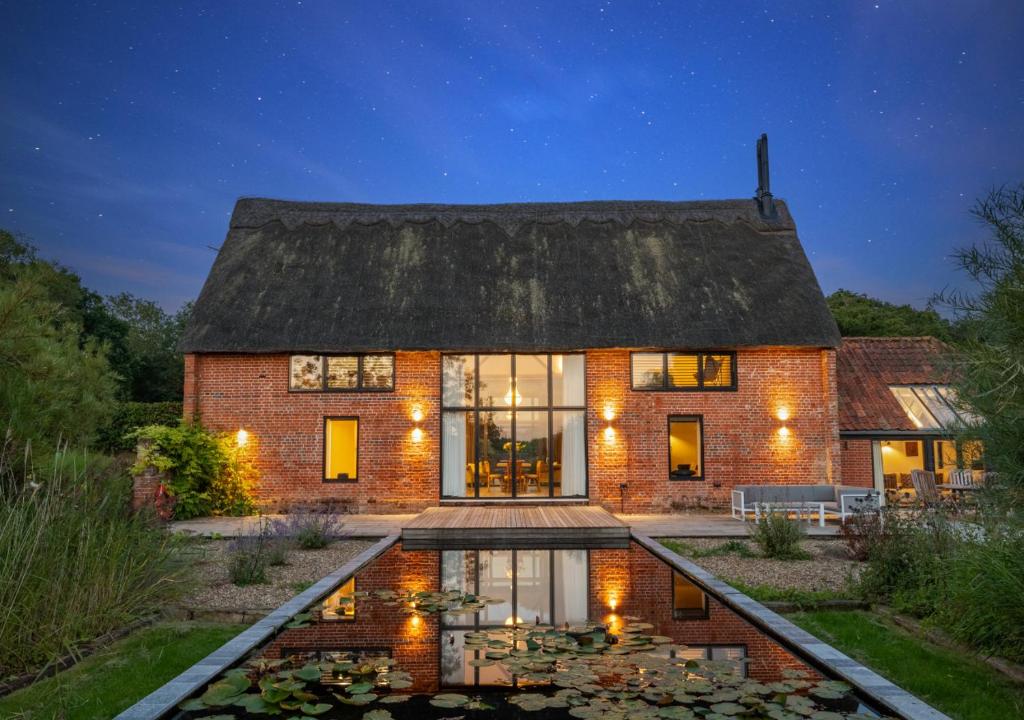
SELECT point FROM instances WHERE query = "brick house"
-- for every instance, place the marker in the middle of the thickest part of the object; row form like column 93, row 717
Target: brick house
column 897, row 413
column 642, row 356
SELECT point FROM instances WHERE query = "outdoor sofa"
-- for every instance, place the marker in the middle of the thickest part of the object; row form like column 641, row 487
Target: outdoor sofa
column 841, row 500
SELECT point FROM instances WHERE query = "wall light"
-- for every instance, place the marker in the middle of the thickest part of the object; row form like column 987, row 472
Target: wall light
column 782, row 414
column 241, row 437
column 784, row 431
column 417, row 434
column 417, row 414
column 416, row 621
column 613, row 602
column 609, row 434
column 609, row 412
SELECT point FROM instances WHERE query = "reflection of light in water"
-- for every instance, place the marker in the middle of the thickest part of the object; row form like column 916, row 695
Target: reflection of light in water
column 514, row 620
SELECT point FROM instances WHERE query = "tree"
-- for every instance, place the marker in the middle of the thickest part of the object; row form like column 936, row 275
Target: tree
column 863, row 316
column 990, row 358
column 153, row 369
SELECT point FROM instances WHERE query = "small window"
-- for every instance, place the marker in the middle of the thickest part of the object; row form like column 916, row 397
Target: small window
column 341, row 604
column 685, row 447
column 683, row 371
column 688, row 601
column 342, row 373
column 341, row 449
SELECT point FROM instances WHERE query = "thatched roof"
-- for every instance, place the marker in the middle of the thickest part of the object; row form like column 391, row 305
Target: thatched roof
column 333, row 277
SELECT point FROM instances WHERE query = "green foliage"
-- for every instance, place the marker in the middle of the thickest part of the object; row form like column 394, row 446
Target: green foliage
column 990, row 360
column 75, row 562
column 778, row 537
column 951, row 681
column 803, row 598
column 54, row 385
column 116, row 435
column 249, row 556
column 207, row 473
column 729, row 547
column 108, row 682
column 861, row 316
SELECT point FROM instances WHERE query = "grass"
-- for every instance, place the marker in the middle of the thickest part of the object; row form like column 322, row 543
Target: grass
column 729, row 547
column 805, row 598
column 958, row 685
column 104, row 684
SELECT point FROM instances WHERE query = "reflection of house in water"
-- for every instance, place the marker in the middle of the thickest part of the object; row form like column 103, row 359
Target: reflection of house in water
column 545, row 586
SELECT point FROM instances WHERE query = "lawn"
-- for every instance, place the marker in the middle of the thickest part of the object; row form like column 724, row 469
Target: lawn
column 956, row 684
column 116, row 677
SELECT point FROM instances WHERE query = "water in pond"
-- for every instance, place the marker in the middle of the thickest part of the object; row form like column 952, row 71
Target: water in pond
column 599, row 633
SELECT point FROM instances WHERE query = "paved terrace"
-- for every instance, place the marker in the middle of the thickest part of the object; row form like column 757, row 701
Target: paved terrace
column 693, row 525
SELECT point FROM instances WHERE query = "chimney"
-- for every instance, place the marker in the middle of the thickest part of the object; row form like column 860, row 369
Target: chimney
column 765, row 201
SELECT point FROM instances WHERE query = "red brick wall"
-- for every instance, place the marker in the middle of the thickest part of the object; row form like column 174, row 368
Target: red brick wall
column 741, row 439
column 742, row 443
column 641, row 585
column 858, row 465
column 413, row 644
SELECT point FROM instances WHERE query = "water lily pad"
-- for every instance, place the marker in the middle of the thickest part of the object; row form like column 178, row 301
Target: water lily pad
column 359, row 688
column 378, row 714
column 318, row 709
column 392, row 699
column 449, row 700
column 192, row 704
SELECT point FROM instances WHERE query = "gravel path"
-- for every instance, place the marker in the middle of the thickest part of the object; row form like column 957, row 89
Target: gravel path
column 829, row 568
column 215, row 591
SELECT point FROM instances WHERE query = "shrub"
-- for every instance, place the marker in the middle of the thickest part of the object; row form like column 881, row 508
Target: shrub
column 310, row 528
column 74, row 562
column 118, row 436
column 207, row 473
column 986, row 584
column 248, row 557
column 908, row 561
column 779, row 537
column 861, row 532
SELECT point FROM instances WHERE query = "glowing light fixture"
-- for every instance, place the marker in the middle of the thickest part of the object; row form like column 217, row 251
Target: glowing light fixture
column 783, row 414
column 609, row 434
column 417, row 414
column 609, row 412
column 613, row 602
column 416, row 621
column 417, row 434
column 513, row 395
column 784, row 431
column 241, row 437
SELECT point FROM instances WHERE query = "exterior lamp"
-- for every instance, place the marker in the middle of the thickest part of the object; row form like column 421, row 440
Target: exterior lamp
column 417, row 414
column 241, row 437
column 609, row 412
column 417, row 417
column 784, row 431
column 613, row 602
column 782, row 414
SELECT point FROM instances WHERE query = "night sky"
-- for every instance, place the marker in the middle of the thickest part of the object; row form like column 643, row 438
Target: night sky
column 127, row 130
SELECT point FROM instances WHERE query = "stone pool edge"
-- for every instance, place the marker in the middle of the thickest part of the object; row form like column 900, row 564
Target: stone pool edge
column 166, row 698
column 870, row 685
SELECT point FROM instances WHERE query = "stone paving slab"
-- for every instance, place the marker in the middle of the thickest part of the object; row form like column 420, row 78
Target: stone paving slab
column 355, row 526
column 704, row 525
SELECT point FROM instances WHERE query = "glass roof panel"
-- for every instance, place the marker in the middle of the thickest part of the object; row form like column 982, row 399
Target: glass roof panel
column 914, row 408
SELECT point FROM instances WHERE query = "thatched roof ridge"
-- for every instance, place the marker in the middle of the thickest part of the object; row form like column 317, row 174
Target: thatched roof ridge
column 335, row 277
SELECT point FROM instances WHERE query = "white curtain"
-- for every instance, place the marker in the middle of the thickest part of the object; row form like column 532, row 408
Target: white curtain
column 574, row 458
column 453, row 455
column 573, row 382
column 571, row 586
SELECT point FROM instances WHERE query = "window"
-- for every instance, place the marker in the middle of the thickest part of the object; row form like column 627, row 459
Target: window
column 683, row 371
column 341, row 449
column 513, row 426
column 685, row 447
column 341, row 604
column 341, row 373
column 534, row 587
column 931, row 407
column 688, row 601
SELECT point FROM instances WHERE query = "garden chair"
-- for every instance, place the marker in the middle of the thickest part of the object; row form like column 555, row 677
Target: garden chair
column 924, row 486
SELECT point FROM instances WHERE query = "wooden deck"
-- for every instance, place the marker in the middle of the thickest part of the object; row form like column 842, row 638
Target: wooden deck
column 490, row 527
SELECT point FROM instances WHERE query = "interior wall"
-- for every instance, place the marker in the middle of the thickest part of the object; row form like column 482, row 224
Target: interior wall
column 896, row 460
column 684, row 445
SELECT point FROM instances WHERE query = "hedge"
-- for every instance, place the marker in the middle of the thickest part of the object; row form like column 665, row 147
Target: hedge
column 130, row 416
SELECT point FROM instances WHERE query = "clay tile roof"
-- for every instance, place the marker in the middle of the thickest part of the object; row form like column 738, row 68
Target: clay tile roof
column 337, row 277
column 866, row 367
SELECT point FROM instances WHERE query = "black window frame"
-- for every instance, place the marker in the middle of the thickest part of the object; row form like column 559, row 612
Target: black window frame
column 323, row 454
column 359, row 388
column 476, row 625
column 699, row 419
column 702, row 613
column 475, row 410
column 733, row 385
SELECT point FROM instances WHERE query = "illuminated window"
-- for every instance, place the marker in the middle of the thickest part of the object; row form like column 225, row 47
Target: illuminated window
column 341, row 449
column 341, row 604
column 342, row 373
column 688, row 601
column 683, row 371
column 685, row 447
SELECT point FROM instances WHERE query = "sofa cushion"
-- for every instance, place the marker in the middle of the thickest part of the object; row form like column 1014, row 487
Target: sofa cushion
column 788, row 494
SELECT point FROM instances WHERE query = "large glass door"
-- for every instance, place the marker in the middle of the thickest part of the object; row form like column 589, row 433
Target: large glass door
column 513, row 426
